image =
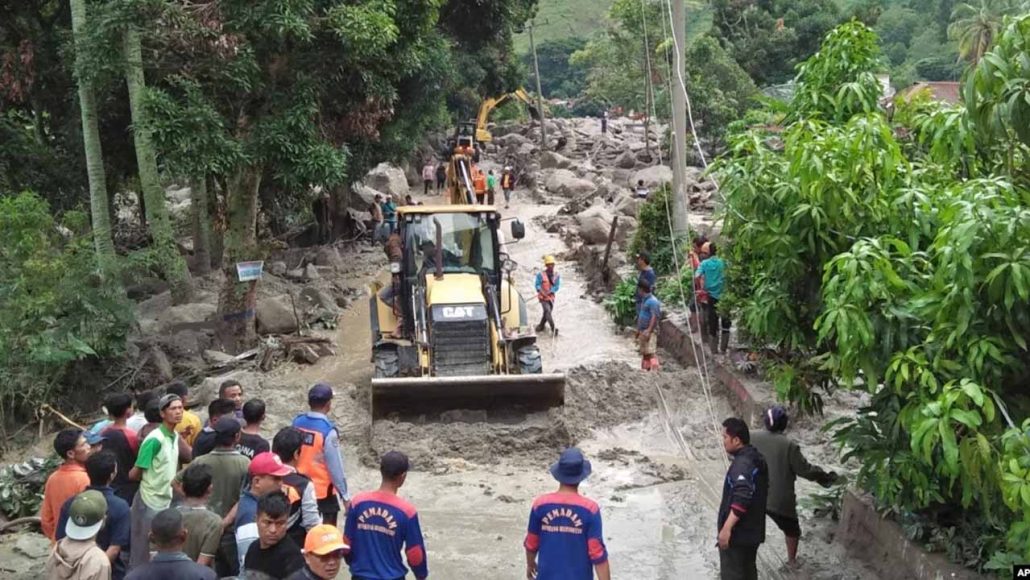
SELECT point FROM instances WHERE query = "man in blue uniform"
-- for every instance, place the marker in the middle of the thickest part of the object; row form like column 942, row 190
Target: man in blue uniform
column 380, row 524
column 564, row 540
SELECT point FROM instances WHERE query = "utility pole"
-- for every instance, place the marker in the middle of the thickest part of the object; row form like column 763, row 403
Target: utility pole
column 539, row 91
column 679, row 118
column 647, row 97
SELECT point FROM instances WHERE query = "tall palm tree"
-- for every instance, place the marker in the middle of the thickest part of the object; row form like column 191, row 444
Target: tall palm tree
column 170, row 260
column 98, row 200
column 976, row 25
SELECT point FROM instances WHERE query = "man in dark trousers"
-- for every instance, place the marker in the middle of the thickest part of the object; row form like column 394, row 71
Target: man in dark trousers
column 786, row 464
column 741, row 521
column 547, row 284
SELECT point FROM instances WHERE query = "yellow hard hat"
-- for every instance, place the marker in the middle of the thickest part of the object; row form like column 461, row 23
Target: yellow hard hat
column 548, row 260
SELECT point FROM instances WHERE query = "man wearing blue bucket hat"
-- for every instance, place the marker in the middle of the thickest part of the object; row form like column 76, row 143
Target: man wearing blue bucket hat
column 564, row 540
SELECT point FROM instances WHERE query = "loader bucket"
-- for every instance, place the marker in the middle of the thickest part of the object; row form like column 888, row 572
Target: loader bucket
column 418, row 395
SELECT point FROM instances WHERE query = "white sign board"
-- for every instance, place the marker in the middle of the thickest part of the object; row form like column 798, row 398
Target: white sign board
column 247, row 271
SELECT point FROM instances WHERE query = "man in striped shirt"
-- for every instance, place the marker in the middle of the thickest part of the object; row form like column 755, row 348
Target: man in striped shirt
column 564, row 540
column 380, row 524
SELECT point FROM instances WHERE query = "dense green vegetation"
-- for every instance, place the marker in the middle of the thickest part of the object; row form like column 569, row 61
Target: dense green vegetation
column 253, row 103
column 892, row 254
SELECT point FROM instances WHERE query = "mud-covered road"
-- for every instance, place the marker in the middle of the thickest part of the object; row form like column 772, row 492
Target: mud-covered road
column 658, row 460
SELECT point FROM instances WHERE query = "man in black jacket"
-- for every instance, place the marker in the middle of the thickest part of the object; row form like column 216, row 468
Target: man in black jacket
column 742, row 511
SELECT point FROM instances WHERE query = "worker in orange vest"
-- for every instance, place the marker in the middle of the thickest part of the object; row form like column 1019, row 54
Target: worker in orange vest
column 507, row 184
column 320, row 456
column 479, row 184
column 547, row 283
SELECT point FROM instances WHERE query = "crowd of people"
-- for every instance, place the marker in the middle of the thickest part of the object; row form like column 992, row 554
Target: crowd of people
column 154, row 492
column 214, row 499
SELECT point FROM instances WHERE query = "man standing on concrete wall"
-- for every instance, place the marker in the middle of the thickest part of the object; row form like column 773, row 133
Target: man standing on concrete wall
column 786, row 463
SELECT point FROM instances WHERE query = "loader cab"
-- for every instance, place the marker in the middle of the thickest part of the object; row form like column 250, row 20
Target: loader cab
column 451, row 255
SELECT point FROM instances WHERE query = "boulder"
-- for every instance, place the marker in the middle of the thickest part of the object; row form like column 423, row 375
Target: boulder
column 315, row 301
column 185, row 344
column 185, row 315
column 277, row 268
column 362, row 197
column 311, row 272
column 158, row 361
column 328, row 256
column 513, row 140
column 552, row 160
column 564, row 182
column 275, row 316
column 217, row 357
column 207, row 390
column 594, row 224
column 388, row 179
column 626, row 161
column 624, row 231
column 653, row 177
column 628, row 205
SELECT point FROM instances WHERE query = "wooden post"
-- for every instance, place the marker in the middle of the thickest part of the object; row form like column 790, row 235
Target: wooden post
column 605, row 274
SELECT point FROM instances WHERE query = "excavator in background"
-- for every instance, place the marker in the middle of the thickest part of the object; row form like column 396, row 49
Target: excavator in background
column 487, row 106
column 465, row 147
column 463, row 336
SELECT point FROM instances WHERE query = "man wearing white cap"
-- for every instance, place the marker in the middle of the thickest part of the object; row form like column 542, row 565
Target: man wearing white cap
column 77, row 556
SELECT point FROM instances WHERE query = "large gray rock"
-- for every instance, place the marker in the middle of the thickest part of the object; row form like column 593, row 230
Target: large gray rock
column 183, row 316
column 511, row 140
column 552, row 160
column 564, row 182
column 275, row 316
column 329, row 257
column 207, row 390
column 627, row 205
column 652, row 176
column 362, row 196
column 388, row 179
column 594, row 224
column 626, row 161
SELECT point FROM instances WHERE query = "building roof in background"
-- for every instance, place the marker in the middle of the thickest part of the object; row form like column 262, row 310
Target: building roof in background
column 949, row 92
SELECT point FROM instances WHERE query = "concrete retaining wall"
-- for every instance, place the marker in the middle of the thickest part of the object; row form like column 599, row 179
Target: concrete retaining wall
column 862, row 531
column 882, row 544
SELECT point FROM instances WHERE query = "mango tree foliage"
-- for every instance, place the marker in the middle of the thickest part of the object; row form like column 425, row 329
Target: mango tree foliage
column 894, row 256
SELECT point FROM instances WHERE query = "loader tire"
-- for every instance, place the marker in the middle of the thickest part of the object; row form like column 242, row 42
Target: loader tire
column 386, row 363
column 529, row 360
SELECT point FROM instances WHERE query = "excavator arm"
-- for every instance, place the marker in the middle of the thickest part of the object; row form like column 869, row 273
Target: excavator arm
column 488, row 105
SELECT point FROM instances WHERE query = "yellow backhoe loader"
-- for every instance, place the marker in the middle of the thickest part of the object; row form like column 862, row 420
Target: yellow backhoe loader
column 456, row 332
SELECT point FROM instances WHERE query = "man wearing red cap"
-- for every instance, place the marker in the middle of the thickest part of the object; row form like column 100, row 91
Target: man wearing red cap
column 564, row 541
column 266, row 474
column 323, row 550
column 320, row 456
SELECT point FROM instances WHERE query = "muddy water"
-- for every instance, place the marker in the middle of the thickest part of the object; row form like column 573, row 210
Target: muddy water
column 658, row 464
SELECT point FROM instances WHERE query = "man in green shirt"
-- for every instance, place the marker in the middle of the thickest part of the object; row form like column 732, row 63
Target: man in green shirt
column 203, row 526
column 786, row 463
column 155, row 469
column 491, row 187
column 228, row 474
